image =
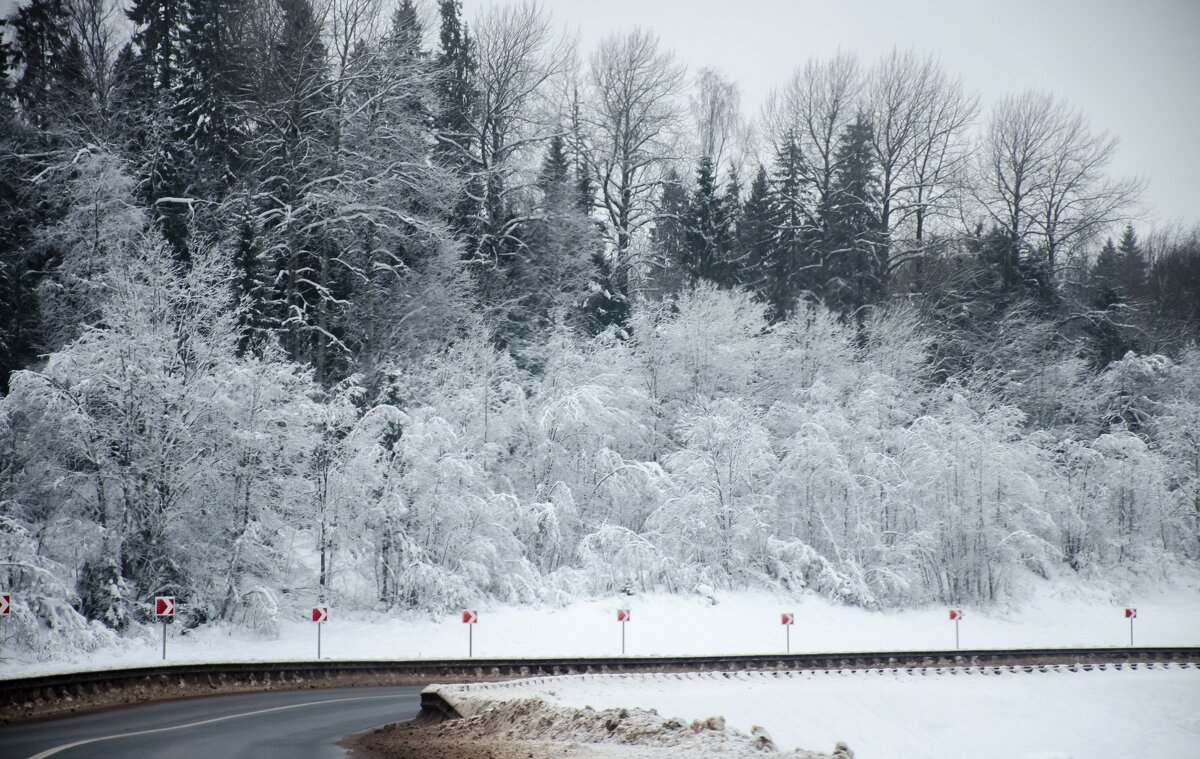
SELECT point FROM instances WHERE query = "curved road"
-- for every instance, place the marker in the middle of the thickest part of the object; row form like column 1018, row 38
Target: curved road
column 292, row 724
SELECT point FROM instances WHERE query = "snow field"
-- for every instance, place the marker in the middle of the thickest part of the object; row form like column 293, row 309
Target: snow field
column 948, row 714
column 662, row 625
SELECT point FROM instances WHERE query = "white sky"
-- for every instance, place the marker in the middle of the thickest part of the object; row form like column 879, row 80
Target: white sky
column 1132, row 65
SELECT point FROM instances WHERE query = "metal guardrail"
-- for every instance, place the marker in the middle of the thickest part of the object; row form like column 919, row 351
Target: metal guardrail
column 82, row 690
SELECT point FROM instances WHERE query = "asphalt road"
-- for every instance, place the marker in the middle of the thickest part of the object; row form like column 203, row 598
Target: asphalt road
column 291, row 724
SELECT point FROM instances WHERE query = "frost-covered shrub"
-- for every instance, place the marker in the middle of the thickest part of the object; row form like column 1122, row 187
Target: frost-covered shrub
column 50, row 628
column 795, row 565
column 103, row 593
column 259, row 611
column 433, row 588
column 615, row 559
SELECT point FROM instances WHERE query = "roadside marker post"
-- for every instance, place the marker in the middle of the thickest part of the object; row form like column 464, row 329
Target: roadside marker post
column 470, row 617
column 956, row 616
column 5, row 610
column 164, row 609
column 788, row 619
column 622, row 617
column 1130, row 614
column 320, row 615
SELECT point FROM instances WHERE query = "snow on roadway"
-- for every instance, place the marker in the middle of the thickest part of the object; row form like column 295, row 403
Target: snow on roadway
column 1040, row 715
column 665, row 625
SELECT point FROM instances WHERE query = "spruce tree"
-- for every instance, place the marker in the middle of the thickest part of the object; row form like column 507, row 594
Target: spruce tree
column 668, row 235
column 293, row 151
column 556, row 169
column 757, row 241
column 404, row 36
column 212, row 81
column 251, row 285
column 1132, row 264
column 155, row 42
column 853, row 236
column 735, row 258
column 150, row 71
column 606, row 305
column 552, row 274
column 790, row 267
column 1106, row 274
column 1109, row 310
column 708, row 232
column 456, row 98
column 405, row 59
column 585, row 190
column 50, row 61
column 7, row 103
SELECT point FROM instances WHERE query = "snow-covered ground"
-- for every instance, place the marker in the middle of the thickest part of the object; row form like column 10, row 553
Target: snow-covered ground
column 664, row 625
column 1050, row 715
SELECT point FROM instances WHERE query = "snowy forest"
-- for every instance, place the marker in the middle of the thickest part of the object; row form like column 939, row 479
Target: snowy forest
column 375, row 303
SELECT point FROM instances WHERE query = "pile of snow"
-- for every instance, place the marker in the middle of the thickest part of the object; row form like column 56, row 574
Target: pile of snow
column 665, row 625
column 886, row 715
column 523, row 719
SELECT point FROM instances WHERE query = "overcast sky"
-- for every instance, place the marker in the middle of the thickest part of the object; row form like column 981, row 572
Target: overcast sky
column 1132, row 65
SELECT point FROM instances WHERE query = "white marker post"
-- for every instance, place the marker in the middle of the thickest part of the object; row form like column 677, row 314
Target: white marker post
column 956, row 616
column 164, row 609
column 622, row 617
column 1131, row 614
column 788, row 619
column 320, row 615
column 470, row 617
column 5, row 610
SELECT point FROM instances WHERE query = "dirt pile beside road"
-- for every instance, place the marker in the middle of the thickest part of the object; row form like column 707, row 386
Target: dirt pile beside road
column 530, row 728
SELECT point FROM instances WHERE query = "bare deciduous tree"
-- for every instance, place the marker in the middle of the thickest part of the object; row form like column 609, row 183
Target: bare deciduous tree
column 814, row 108
column 716, row 110
column 633, row 112
column 1042, row 178
column 95, row 26
column 352, row 24
column 920, row 116
column 518, row 53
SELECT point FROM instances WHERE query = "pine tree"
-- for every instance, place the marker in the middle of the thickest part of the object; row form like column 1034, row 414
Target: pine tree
column 853, row 241
column 405, row 59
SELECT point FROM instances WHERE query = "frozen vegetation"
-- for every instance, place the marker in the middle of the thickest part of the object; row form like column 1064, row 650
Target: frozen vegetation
column 881, row 715
column 335, row 302
column 1050, row 615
